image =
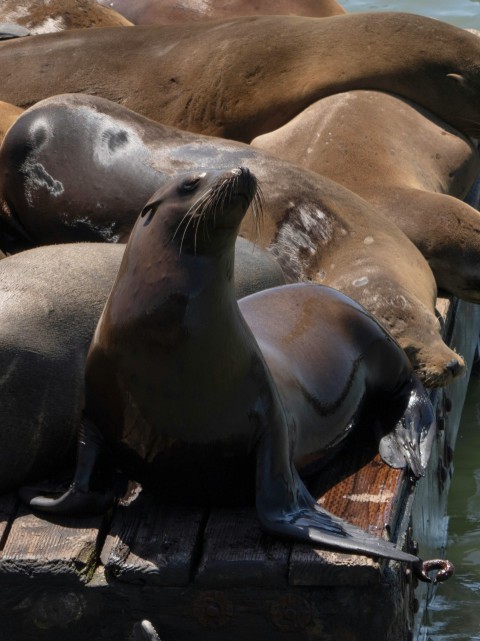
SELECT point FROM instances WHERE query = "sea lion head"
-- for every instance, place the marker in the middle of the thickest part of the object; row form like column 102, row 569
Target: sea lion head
column 200, row 209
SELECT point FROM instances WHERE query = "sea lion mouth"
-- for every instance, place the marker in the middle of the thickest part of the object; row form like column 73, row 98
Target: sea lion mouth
column 236, row 187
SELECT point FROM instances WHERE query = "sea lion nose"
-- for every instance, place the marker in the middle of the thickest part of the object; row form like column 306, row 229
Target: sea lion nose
column 241, row 171
column 454, row 367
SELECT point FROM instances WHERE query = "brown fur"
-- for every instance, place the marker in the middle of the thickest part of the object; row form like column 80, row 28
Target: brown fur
column 404, row 160
column 8, row 115
column 168, row 11
column 45, row 16
column 265, row 70
column 317, row 229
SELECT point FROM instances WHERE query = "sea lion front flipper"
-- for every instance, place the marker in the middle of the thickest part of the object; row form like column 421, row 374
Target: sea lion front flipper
column 286, row 508
column 410, row 443
column 78, row 499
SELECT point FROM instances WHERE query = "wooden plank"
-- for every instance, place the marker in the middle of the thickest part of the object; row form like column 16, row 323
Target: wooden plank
column 153, row 544
column 237, row 553
column 367, row 494
column 53, row 545
column 8, row 510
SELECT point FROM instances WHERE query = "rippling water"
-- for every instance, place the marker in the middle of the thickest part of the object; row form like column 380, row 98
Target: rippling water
column 463, row 13
column 454, row 614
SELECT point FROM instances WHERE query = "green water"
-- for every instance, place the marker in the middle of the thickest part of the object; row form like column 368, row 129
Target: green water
column 463, row 13
column 454, row 614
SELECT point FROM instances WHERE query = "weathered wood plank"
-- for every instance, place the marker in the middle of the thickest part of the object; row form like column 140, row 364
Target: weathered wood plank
column 8, row 510
column 237, row 553
column 57, row 545
column 368, row 496
column 150, row 543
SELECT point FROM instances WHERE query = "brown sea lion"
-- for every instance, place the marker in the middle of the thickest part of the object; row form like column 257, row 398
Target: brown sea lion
column 265, row 70
column 46, row 16
column 8, row 115
column 50, row 301
column 316, row 229
column 403, row 159
column 168, row 11
column 176, row 379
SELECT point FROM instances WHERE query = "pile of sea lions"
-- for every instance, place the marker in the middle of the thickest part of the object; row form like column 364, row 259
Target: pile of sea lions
column 245, row 226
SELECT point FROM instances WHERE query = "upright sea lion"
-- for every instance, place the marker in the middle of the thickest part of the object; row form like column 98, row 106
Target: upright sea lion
column 322, row 367
column 46, row 16
column 265, row 70
column 403, row 159
column 168, row 11
column 50, row 301
column 316, row 229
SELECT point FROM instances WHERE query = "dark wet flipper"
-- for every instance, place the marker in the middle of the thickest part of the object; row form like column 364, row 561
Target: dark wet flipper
column 74, row 502
column 286, row 508
column 410, row 443
column 305, row 521
column 78, row 499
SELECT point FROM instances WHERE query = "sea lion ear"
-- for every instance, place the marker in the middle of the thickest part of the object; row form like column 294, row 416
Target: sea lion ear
column 458, row 78
column 150, row 207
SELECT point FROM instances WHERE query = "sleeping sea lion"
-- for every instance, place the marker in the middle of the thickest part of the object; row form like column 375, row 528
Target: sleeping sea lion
column 179, row 376
column 8, row 115
column 46, row 16
column 316, row 229
column 265, row 69
column 168, row 11
column 51, row 299
column 402, row 159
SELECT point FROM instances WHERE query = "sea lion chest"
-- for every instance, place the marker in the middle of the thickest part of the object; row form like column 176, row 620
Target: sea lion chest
column 184, row 362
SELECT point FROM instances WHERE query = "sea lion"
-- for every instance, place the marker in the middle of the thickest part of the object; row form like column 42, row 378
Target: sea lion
column 47, row 16
column 402, row 159
column 315, row 228
column 321, row 368
column 265, row 69
column 51, row 299
column 8, row 115
column 168, row 11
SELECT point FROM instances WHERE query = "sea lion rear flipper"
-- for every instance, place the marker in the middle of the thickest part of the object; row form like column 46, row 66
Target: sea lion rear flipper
column 410, row 443
column 285, row 508
column 78, row 499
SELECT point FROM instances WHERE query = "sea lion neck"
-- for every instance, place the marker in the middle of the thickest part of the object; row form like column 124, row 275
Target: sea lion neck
column 182, row 284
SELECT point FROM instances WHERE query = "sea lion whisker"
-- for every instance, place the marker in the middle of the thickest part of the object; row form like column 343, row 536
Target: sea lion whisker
column 189, row 220
column 190, row 214
column 180, row 224
column 259, row 205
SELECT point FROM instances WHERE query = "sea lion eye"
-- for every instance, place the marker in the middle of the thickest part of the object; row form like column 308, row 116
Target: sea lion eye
column 189, row 185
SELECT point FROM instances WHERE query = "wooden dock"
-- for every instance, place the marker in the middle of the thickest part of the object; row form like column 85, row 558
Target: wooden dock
column 200, row 575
